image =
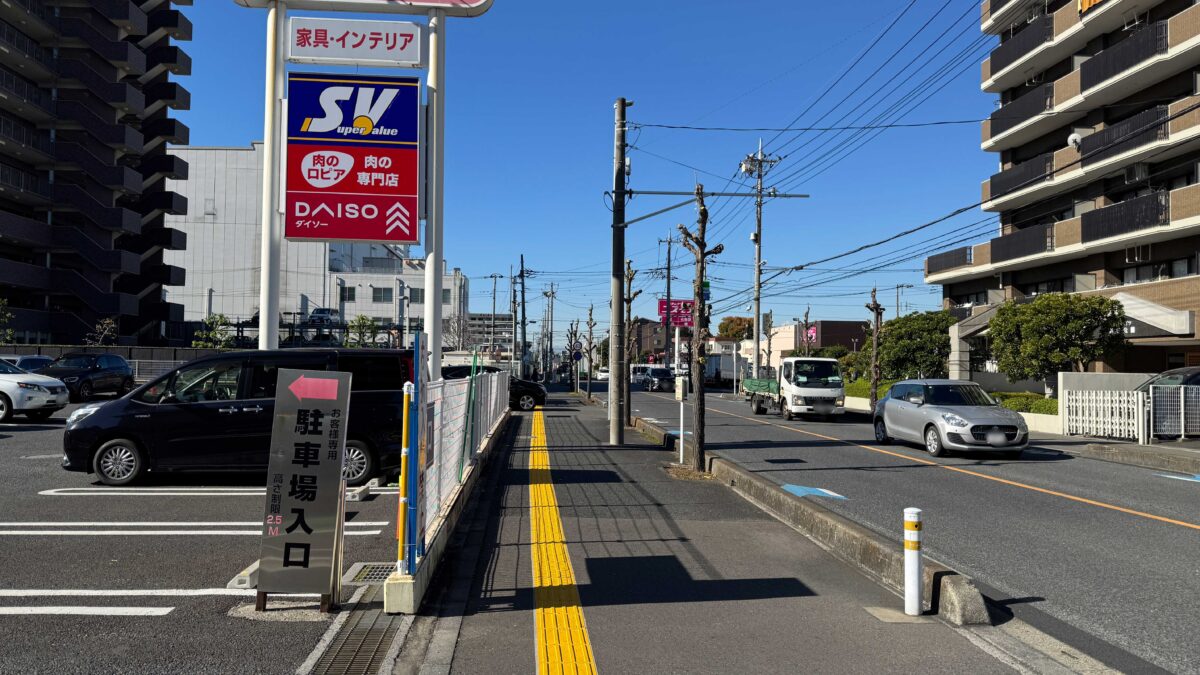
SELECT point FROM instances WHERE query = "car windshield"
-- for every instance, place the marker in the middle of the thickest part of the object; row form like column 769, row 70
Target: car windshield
column 73, row 362
column 660, row 373
column 957, row 394
column 816, row 372
column 7, row 368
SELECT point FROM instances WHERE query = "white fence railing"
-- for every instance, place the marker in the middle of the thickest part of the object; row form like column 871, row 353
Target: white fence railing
column 1105, row 414
column 459, row 418
column 144, row 371
column 1174, row 411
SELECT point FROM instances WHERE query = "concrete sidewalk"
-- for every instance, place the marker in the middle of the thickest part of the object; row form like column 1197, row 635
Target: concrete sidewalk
column 664, row 575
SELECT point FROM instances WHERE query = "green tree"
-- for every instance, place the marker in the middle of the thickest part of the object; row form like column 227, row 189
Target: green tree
column 832, row 352
column 6, row 333
column 214, row 334
column 602, row 347
column 361, row 331
column 736, row 327
column 104, row 333
column 916, row 345
column 1056, row 332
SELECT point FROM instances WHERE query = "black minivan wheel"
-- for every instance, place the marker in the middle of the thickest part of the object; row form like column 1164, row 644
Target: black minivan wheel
column 527, row 402
column 359, row 465
column 118, row 462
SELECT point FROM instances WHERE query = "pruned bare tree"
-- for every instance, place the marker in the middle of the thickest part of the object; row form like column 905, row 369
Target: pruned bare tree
column 701, row 313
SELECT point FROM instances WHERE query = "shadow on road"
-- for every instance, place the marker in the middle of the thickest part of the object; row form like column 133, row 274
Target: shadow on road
column 48, row 425
column 201, row 479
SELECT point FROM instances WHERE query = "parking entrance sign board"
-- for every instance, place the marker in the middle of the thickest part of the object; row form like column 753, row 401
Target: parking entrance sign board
column 302, row 526
column 353, row 158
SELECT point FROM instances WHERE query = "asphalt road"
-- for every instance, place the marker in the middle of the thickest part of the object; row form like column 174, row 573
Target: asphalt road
column 167, row 547
column 1101, row 555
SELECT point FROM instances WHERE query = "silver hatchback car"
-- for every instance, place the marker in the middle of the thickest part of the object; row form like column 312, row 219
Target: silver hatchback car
column 945, row 415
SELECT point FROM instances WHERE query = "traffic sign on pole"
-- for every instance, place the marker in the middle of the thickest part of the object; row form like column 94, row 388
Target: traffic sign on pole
column 353, row 158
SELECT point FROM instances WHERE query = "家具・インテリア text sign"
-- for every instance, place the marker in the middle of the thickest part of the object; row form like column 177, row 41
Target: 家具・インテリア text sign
column 353, row 158
column 303, row 509
column 355, row 42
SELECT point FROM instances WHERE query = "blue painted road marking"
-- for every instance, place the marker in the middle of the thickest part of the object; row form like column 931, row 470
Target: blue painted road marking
column 802, row 491
column 1193, row 479
column 676, row 432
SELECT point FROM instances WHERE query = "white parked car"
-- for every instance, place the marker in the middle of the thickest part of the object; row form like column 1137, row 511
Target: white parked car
column 602, row 375
column 35, row 396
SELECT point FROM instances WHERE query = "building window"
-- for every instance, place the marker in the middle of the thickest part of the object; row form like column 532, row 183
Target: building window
column 1052, row 286
column 347, row 293
column 381, row 320
column 979, row 298
column 417, row 296
column 445, row 296
column 1180, row 267
column 381, row 295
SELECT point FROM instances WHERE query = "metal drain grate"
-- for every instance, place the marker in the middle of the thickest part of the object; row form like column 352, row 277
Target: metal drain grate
column 360, row 646
column 368, row 573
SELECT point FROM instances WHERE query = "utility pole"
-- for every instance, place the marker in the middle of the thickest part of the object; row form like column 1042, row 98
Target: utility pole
column 898, row 287
column 524, row 322
column 668, row 322
column 697, row 244
column 591, row 324
column 757, row 165
column 550, row 295
column 876, row 310
column 512, row 308
column 616, row 346
column 630, row 296
column 492, row 332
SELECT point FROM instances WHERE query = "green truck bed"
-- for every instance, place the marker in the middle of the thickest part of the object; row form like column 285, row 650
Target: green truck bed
column 760, row 386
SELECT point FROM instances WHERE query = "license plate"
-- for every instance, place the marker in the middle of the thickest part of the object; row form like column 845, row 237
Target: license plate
column 996, row 438
column 823, row 408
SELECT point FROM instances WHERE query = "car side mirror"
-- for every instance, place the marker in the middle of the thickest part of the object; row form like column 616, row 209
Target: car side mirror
column 916, row 400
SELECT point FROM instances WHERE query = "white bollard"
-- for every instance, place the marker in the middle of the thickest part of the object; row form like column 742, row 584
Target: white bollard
column 912, row 562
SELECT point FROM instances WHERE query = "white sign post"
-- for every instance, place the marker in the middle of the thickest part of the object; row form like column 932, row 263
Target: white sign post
column 681, row 392
column 351, row 42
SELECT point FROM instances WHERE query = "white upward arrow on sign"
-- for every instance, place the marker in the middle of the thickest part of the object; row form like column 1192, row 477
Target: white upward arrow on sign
column 397, row 216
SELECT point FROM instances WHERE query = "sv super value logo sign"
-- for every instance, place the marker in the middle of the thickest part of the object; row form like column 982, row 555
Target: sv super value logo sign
column 352, row 158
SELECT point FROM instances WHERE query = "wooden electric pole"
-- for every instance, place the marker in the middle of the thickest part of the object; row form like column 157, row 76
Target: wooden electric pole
column 698, row 245
column 876, row 309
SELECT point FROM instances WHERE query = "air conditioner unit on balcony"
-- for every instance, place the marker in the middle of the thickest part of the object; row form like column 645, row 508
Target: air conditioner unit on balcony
column 1135, row 173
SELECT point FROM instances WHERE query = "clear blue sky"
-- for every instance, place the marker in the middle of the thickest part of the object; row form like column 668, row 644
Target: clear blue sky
column 531, row 86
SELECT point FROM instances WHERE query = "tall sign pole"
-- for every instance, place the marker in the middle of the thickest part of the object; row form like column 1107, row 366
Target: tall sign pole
column 436, row 110
column 272, row 220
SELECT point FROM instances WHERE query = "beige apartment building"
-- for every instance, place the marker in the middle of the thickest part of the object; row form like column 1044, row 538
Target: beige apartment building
column 1097, row 137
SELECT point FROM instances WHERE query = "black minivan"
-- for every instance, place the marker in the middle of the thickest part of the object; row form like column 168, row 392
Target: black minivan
column 216, row 413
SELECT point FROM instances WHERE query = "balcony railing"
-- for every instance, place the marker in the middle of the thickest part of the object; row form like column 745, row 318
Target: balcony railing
column 10, row 35
column 25, row 181
column 1124, row 55
column 1131, row 215
column 959, row 257
column 1143, row 128
column 995, row 6
column 1022, row 175
column 24, row 89
column 21, row 133
column 1029, row 241
column 1014, row 113
column 1036, row 33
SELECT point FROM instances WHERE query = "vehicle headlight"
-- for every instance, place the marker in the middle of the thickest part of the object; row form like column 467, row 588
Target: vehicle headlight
column 797, row 400
column 82, row 413
column 33, row 387
column 954, row 420
column 840, row 402
column 70, row 379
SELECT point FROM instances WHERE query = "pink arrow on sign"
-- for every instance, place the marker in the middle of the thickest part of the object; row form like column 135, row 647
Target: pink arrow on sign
column 317, row 388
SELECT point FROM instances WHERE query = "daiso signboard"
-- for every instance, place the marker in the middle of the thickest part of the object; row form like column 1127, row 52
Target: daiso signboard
column 353, row 158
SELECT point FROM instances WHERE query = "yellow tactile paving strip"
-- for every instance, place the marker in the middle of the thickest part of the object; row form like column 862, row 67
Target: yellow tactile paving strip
column 562, row 637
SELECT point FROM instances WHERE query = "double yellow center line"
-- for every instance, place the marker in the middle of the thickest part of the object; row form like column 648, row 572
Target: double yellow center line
column 562, row 637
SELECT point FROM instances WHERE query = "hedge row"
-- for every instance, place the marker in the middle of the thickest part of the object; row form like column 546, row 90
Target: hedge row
column 1040, row 406
column 861, row 388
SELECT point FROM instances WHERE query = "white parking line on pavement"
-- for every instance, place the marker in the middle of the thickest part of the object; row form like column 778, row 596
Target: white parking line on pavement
column 87, row 611
column 249, row 523
column 175, row 492
column 134, row 592
column 152, row 533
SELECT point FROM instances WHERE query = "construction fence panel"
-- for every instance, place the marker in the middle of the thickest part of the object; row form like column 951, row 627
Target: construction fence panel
column 460, row 417
column 1106, row 414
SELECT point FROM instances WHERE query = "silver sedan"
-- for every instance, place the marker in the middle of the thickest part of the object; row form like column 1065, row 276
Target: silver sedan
column 945, row 415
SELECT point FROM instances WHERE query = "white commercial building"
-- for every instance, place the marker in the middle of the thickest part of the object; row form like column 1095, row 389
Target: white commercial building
column 224, row 192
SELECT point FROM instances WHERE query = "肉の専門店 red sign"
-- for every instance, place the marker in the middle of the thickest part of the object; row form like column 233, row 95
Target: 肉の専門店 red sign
column 353, row 158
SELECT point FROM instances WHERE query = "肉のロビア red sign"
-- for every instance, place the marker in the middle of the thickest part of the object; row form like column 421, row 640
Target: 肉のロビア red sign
column 352, row 158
